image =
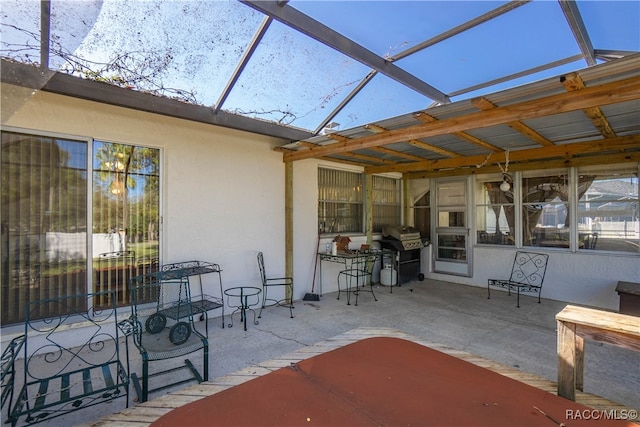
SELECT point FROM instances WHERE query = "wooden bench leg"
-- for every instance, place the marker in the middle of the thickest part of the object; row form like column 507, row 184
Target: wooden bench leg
column 567, row 360
column 575, row 325
column 579, row 362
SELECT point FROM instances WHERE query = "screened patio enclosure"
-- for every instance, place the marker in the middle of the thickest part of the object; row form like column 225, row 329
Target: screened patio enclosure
column 303, row 68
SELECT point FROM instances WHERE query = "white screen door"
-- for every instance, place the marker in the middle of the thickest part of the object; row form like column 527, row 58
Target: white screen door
column 451, row 251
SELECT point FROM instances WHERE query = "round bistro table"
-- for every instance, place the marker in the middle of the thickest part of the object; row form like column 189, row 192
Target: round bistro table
column 243, row 298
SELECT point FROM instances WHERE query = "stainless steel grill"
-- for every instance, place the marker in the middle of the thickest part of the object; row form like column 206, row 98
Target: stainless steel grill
column 407, row 243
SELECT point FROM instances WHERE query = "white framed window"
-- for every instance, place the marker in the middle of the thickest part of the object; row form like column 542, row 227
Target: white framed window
column 495, row 211
column 583, row 209
column 609, row 208
column 546, row 209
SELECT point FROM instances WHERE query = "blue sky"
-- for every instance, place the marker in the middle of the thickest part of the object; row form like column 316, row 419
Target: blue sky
column 297, row 81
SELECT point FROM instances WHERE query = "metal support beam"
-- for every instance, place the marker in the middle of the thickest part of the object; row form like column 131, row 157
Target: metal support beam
column 571, row 12
column 244, row 61
column 518, row 75
column 346, row 100
column 45, row 33
column 314, row 29
column 507, row 7
column 609, row 55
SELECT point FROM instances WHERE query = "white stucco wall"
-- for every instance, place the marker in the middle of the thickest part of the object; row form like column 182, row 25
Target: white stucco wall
column 305, row 178
column 223, row 190
column 579, row 278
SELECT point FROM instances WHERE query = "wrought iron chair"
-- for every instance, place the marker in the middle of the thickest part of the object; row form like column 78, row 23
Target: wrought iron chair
column 162, row 328
column 67, row 368
column 527, row 275
column 358, row 277
column 270, row 282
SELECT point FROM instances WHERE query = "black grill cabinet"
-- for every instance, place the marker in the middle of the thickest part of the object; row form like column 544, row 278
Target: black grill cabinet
column 407, row 261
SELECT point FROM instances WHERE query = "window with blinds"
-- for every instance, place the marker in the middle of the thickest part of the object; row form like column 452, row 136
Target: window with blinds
column 54, row 241
column 341, row 201
column 340, row 204
column 386, row 202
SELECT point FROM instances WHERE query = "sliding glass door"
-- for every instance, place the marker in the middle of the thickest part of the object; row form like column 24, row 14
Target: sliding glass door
column 71, row 225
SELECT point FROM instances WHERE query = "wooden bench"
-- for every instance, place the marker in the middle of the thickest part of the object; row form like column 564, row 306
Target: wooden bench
column 575, row 324
column 70, row 356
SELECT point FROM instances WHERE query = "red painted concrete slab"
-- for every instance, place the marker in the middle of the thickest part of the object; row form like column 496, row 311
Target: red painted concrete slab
column 382, row 381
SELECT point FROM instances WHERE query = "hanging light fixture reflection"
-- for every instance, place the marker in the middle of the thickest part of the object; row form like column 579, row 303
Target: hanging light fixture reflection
column 505, row 185
column 506, row 179
column 116, row 166
column 117, row 187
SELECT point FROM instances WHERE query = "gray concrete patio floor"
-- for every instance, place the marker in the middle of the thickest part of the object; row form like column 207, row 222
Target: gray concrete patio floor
column 454, row 315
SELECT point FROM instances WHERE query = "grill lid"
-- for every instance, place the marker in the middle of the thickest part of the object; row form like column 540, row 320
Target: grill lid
column 402, row 245
column 400, row 232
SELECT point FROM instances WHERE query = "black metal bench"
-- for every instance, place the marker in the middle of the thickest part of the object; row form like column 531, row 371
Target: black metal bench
column 70, row 357
column 527, row 275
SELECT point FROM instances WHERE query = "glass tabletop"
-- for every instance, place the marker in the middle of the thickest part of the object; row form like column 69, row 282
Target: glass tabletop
column 242, row 291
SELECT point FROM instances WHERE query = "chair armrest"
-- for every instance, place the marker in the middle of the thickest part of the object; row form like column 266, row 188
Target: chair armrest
column 10, row 353
column 9, row 356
